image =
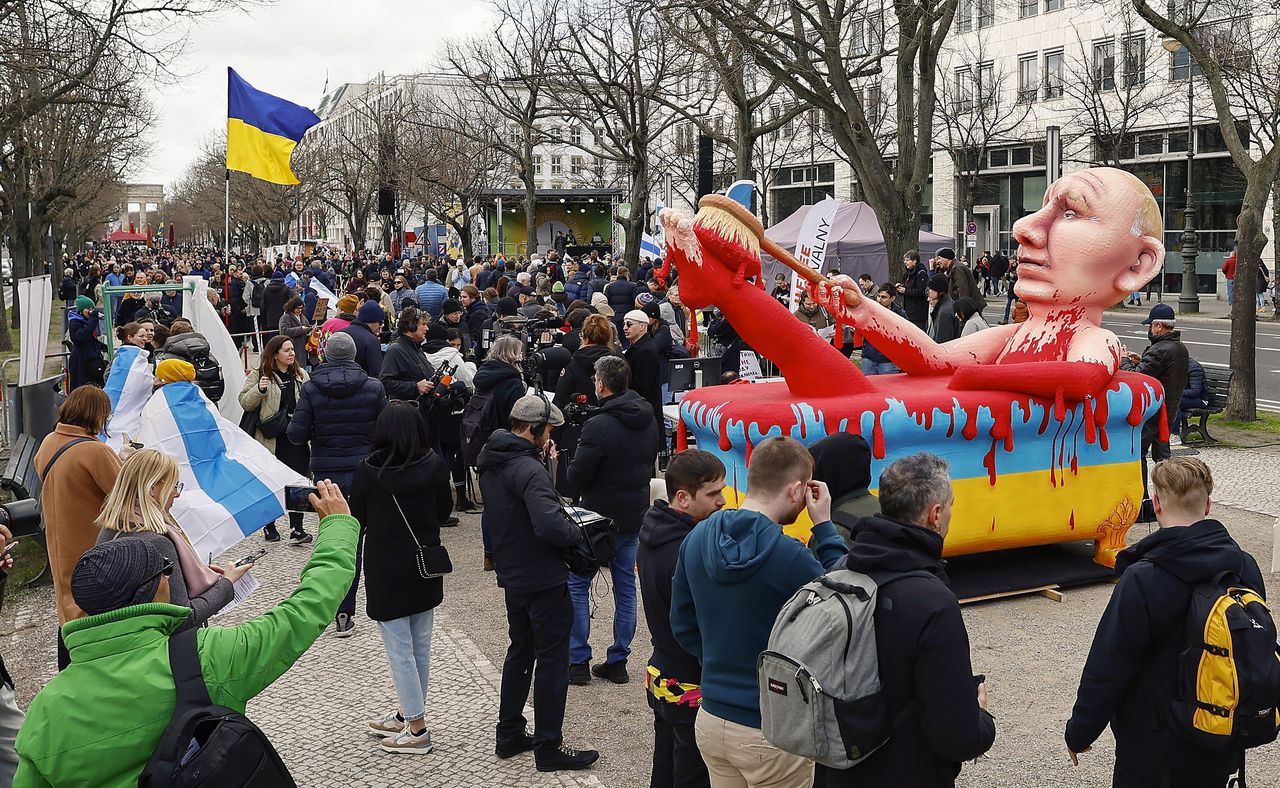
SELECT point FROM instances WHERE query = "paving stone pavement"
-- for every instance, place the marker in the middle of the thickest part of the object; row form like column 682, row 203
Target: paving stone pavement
column 1245, row 478
column 316, row 713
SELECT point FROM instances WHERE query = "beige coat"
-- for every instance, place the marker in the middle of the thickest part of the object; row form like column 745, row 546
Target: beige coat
column 267, row 403
column 71, row 498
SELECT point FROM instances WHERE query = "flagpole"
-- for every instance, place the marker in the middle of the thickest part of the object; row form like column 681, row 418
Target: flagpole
column 297, row 204
column 226, row 222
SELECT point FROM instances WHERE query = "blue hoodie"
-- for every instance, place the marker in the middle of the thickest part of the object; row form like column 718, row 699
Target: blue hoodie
column 736, row 571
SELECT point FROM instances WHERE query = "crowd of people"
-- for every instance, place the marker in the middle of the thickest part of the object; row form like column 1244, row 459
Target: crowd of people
column 521, row 388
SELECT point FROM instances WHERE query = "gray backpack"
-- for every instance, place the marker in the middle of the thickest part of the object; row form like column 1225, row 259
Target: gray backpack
column 819, row 678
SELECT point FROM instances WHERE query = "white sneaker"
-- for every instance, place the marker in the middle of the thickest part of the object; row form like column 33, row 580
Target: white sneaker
column 389, row 725
column 406, row 742
column 1174, row 440
column 344, row 627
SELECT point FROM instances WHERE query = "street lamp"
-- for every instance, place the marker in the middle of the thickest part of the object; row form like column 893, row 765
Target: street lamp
column 1189, row 297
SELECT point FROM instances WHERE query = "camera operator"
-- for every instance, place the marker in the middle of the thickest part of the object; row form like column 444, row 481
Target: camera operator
column 611, row 469
column 500, row 378
column 406, row 370
column 530, row 533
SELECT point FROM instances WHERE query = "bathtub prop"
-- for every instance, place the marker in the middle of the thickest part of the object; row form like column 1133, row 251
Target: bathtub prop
column 1042, row 430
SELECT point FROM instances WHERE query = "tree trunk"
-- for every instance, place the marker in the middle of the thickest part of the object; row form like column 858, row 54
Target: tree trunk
column 530, row 200
column 1242, row 401
column 634, row 224
column 901, row 235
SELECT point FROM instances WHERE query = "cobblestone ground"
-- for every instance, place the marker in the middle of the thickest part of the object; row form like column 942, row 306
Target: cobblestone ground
column 1031, row 649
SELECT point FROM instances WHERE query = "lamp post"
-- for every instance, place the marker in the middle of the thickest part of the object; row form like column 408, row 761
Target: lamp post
column 1189, row 297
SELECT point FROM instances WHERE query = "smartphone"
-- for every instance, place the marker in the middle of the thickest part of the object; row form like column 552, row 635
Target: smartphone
column 295, row 498
column 252, row 558
column 10, row 546
column 979, row 679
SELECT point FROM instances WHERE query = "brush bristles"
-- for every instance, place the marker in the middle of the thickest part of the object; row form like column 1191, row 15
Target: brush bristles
column 729, row 227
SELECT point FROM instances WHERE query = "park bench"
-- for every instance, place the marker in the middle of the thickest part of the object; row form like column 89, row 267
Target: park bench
column 1217, row 385
column 19, row 478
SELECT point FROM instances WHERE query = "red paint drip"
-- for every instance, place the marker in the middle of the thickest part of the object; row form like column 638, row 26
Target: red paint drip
column 993, row 525
column 725, row 445
column 682, row 436
column 877, row 436
column 1072, row 522
column 989, row 462
column 1090, row 427
column 970, row 430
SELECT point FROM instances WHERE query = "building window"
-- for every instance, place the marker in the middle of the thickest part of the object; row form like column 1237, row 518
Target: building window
column 1150, row 144
column 1028, row 81
column 575, row 135
column 1180, row 62
column 1052, row 5
column 1020, row 157
column 537, row 165
column 875, row 33
column 1028, row 8
column 999, row 157
column 1053, row 66
column 1104, row 65
column 555, row 165
column 1135, row 61
column 575, row 165
column 964, row 92
column 986, row 13
column 986, row 83
column 598, row 165
column 964, row 16
column 874, row 101
column 1177, row 142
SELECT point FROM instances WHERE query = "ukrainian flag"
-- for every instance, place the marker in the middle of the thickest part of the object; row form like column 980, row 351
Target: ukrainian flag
column 262, row 131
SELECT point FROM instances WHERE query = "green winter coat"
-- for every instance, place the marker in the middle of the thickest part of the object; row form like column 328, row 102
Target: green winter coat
column 98, row 722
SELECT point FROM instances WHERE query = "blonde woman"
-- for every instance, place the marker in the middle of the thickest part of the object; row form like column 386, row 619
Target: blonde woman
column 138, row 508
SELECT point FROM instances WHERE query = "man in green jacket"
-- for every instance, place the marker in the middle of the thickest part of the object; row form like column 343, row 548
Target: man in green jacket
column 98, row 722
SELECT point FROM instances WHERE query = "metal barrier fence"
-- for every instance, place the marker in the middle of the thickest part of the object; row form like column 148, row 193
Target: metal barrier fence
column 6, row 410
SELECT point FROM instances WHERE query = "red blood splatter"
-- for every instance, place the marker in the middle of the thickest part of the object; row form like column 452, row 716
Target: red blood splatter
column 877, row 437
column 970, row 430
column 1090, row 427
column 989, row 462
column 1072, row 522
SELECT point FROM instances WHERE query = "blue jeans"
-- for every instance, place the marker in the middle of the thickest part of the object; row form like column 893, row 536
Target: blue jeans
column 408, row 644
column 882, row 368
column 622, row 571
column 484, row 534
column 1231, row 292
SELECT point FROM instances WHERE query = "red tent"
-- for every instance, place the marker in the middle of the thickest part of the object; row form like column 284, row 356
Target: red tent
column 123, row 235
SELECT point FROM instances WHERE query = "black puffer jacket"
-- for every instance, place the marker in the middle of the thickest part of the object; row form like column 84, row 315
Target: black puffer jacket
column 924, row 658
column 621, row 294
column 506, row 383
column 274, row 296
column 1131, row 674
column 336, row 414
column 577, row 377
column 529, row 530
column 915, row 296
column 661, row 535
column 403, row 366
column 1165, row 359
column 393, row 587
column 614, row 460
column 368, row 348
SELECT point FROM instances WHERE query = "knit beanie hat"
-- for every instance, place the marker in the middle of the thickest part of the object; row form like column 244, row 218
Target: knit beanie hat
column 116, row 574
column 84, row 302
column 173, row 370
column 507, row 306
column 348, row 303
column 370, row 312
column 558, row 287
column 449, row 306
column 339, row 347
column 940, row 283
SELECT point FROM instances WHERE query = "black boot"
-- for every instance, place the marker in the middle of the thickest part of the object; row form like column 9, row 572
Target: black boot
column 270, row 533
column 464, row 504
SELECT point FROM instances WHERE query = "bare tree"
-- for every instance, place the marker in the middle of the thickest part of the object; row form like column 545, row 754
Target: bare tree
column 979, row 109
column 1112, row 88
column 825, row 52
column 612, row 63
column 1237, row 50
column 506, row 71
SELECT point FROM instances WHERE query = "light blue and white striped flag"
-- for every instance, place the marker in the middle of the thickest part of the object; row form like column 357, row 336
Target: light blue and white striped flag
column 129, row 384
column 232, row 486
column 650, row 247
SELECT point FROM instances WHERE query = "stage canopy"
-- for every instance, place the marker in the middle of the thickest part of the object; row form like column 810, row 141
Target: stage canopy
column 857, row 245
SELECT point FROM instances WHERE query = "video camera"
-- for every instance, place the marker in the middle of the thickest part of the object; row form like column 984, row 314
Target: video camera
column 21, row 517
column 578, row 411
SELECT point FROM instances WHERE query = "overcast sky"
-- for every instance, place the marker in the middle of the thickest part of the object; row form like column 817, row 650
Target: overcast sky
column 288, row 49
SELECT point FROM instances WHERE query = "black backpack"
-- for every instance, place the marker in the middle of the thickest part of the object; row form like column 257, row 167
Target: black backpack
column 478, row 423
column 208, row 745
column 255, row 295
column 209, row 376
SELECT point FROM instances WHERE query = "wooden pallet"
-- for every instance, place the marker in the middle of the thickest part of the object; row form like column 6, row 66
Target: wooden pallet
column 1047, row 591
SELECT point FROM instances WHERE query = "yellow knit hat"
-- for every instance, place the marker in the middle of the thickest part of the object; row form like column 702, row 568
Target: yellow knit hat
column 172, row 370
column 348, row 304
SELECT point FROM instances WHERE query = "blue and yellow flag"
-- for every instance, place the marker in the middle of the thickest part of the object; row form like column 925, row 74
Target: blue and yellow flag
column 262, row 131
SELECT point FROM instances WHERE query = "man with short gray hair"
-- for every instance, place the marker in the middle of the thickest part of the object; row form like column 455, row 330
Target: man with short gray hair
column 1165, row 359
column 611, row 469
column 940, row 718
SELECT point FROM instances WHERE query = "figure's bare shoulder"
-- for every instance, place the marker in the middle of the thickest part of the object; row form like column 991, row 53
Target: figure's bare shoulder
column 1097, row 344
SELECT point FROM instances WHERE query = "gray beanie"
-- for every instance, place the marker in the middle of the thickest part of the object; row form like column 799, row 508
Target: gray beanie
column 115, row 574
column 340, row 347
